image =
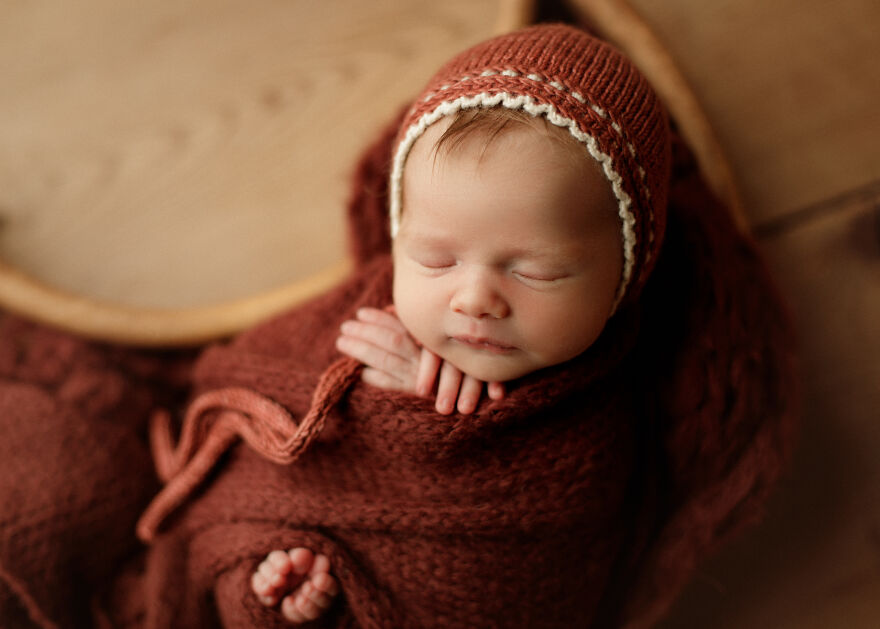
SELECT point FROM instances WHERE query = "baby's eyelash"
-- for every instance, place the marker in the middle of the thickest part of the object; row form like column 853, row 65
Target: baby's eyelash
column 538, row 281
column 539, row 278
column 434, row 265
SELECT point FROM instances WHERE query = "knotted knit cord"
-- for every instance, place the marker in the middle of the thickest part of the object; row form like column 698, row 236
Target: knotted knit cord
column 32, row 607
column 217, row 419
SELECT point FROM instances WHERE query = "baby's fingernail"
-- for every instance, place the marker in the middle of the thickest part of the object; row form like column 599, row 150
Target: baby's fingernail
column 496, row 391
column 444, row 406
column 343, row 344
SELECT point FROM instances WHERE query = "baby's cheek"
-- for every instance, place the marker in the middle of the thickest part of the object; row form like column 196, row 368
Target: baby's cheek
column 413, row 318
column 418, row 307
column 555, row 333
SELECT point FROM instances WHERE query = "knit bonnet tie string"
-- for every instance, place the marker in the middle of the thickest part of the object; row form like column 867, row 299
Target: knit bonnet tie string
column 216, row 420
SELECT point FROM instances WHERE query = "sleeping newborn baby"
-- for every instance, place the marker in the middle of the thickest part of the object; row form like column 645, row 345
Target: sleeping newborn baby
column 527, row 206
column 508, row 259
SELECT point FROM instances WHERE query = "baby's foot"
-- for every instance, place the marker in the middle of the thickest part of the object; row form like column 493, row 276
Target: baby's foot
column 299, row 579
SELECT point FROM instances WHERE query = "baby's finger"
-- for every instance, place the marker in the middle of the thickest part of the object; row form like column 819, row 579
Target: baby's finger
column 469, row 394
column 429, row 365
column 394, row 341
column 495, row 390
column 376, row 357
column 377, row 378
column 385, row 318
column 447, row 389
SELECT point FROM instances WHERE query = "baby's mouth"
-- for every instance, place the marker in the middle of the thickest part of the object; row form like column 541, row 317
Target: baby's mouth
column 484, row 344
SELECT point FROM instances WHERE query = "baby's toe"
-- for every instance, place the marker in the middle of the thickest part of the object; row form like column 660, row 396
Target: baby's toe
column 258, row 583
column 301, row 560
column 279, row 560
column 262, row 589
column 321, row 596
column 290, row 609
column 325, row 584
column 270, row 573
column 320, row 565
column 303, row 606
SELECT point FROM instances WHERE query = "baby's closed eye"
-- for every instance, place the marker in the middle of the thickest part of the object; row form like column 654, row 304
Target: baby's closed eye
column 539, row 276
column 435, row 262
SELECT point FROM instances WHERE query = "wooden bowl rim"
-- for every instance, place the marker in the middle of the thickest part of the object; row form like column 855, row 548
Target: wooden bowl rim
column 614, row 20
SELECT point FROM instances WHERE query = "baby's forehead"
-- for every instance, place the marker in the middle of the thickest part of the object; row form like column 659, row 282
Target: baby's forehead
column 485, row 126
column 476, row 133
column 520, row 162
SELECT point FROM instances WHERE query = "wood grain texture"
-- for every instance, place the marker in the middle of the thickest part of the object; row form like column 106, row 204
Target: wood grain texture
column 791, row 86
column 177, row 154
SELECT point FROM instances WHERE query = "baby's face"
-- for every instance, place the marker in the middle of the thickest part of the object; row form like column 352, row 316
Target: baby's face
column 509, row 255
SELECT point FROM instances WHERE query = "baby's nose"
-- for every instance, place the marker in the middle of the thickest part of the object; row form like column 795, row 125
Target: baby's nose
column 478, row 298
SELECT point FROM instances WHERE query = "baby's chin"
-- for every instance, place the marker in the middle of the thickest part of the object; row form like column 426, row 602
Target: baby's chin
column 489, row 367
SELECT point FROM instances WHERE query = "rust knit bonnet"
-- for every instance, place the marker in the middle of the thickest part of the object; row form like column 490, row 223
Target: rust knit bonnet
column 578, row 83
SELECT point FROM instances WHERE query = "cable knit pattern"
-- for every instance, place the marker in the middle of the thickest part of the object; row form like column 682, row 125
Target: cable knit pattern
column 74, row 466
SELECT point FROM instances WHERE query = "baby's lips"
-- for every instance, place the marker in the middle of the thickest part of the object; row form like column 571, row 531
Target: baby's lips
column 488, row 343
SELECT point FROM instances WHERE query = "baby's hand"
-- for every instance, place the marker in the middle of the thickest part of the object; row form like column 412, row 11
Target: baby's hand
column 300, row 580
column 395, row 361
column 455, row 384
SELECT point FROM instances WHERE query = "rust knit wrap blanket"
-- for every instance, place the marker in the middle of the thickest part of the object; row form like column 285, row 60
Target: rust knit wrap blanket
column 515, row 514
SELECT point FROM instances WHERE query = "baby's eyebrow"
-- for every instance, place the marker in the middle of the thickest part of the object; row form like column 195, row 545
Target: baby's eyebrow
column 550, row 252
column 535, row 252
column 427, row 238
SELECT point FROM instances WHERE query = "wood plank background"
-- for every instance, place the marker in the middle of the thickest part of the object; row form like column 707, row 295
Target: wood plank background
column 791, row 86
